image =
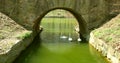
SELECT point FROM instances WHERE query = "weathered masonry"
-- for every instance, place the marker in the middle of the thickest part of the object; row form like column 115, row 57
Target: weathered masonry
column 28, row 13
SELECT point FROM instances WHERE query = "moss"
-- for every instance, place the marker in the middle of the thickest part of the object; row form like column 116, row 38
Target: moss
column 24, row 35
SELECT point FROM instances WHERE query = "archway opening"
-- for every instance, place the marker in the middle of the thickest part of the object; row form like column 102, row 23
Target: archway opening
column 60, row 25
column 84, row 33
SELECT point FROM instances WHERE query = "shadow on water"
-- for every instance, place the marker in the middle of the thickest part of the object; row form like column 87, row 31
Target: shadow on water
column 39, row 52
column 51, row 48
column 30, row 50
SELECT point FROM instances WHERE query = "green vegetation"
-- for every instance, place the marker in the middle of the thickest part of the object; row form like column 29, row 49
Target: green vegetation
column 24, row 35
column 59, row 26
column 59, row 23
column 1, row 36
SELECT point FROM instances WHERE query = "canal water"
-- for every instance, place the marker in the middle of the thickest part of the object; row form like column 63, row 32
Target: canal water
column 53, row 46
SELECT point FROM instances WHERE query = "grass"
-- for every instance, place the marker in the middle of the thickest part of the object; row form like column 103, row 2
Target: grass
column 24, row 35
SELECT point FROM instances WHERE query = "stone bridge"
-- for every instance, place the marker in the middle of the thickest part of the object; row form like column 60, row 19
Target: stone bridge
column 28, row 13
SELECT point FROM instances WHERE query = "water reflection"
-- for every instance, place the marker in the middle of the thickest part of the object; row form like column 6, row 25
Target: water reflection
column 42, row 52
column 61, row 29
column 53, row 45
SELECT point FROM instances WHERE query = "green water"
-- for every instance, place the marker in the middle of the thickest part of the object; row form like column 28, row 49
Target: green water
column 60, row 53
column 50, row 48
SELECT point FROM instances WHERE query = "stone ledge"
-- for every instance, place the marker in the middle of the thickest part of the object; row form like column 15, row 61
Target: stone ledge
column 106, row 49
column 15, row 50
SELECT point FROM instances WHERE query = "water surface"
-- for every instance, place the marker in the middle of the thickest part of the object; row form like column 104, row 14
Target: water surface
column 50, row 48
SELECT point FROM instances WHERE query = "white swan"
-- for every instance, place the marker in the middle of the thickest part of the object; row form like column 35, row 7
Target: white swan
column 70, row 39
column 79, row 40
column 64, row 37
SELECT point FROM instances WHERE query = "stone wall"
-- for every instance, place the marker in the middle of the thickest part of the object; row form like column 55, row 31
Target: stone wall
column 114, row 6
column 16, row 49
column 28, row 13
column 107, row 50
column 25, row 12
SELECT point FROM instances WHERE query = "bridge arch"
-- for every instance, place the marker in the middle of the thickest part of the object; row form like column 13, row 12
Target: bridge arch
column 84, row 34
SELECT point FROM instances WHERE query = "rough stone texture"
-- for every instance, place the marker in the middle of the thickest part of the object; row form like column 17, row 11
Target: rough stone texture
column 109, row 52
column 15, row 50
column 13, row 39
column 114, row 7
column 10, row 33
column 28, row 13
column 8, row 27
column 107, row 39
